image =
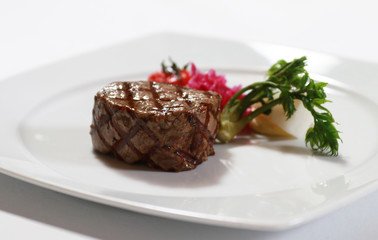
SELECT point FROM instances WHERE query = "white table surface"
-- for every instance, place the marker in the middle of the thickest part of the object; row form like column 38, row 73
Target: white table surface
column 35, row 33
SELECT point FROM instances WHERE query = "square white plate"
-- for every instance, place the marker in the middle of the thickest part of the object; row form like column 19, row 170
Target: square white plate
column 252, row 183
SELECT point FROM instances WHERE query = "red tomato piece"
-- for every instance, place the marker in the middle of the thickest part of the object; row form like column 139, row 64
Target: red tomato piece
column 158, row 77
column 171, row 74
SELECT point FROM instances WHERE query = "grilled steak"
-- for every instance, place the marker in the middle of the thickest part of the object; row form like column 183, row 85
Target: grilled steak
column 167, row 126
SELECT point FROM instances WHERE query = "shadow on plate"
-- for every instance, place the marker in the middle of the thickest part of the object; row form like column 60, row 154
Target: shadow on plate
column 285, row 145
column 206, row 174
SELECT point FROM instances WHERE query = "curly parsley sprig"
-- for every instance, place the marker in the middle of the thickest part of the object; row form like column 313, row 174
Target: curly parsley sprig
column 288, row 81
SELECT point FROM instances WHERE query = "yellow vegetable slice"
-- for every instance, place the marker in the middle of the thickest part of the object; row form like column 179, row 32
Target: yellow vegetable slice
column 262, row 124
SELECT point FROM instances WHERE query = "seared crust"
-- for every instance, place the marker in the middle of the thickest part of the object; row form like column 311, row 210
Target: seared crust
column 167, row 126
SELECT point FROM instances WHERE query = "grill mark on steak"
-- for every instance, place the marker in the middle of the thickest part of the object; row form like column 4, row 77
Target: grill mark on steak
column 128, row 95
column 203, row 131
column 95, row 128
column 134, row 149
column 155, row 96
column 148, row 131
column 104, row 119
column 127, row 137
column 195, row 122
column 180, row 93
column 208, row 107
column 141, row 123
column 138, row 126
column 126, row 141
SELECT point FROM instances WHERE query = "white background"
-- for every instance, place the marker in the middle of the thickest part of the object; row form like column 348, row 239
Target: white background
column 35, row 33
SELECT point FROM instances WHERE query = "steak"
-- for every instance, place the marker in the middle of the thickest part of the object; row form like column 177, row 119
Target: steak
column 166, row 126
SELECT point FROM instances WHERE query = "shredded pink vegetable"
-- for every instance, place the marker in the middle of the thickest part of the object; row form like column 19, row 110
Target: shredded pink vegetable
column 210, row 81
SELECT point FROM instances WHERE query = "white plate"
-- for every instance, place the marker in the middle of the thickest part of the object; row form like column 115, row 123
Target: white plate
column 252, row 183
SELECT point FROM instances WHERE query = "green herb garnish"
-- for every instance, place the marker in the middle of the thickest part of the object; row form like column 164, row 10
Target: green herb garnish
column 173, row 69
column 288, row 81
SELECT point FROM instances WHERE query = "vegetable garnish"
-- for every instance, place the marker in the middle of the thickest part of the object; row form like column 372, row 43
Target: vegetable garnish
column 285, row 82
column 211, row 81
column 171, row 74
column 208, row 81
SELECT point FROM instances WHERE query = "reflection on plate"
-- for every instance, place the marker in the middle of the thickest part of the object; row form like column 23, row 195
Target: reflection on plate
column 252, row 182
